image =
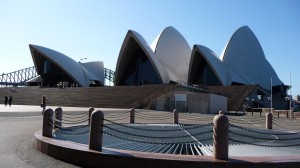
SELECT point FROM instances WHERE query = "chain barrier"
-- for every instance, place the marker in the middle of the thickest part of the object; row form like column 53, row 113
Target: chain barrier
column 117, row 115
column 74, row 114
column 160, row 130
column 138, row 115
column 157, row 137
column 287, row 122
column 146, row 118
column 67, row 130
column 277, row 124
column 77, row 122
column 195, row 117
column 122, row 116
column 155, row 142
column 253, row 120
column 73, row 128
column 251, row 117
column 120, row 119
column 242, row 122
column 259, row 132
column 285, row 126
column 73, row 134
column 263, row 138
column 156, row 115
column 263, row 145
column 81, row 119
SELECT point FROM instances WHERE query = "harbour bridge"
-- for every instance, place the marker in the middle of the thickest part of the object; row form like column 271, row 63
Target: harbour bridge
column 19, row 77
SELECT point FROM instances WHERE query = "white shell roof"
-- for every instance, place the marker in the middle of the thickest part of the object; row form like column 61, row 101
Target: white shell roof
column 68, row 65
column 173, row 52
column 95, row 69
column 122, row 64
column 244, row 54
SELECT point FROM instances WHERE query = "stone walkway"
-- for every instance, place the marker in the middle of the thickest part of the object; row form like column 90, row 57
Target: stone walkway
column 17, row 127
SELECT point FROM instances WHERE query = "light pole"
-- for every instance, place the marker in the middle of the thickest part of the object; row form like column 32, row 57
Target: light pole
column 271, row 98
column 291, row 97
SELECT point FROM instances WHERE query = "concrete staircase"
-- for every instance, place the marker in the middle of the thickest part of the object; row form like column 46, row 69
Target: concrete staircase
column 102, row 97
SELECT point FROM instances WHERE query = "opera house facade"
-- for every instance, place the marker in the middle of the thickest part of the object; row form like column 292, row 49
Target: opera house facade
column 169, row 59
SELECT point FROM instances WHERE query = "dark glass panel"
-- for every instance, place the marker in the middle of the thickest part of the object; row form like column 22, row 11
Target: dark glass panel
column 140, row 70
column 203, row 74
column 52, row 74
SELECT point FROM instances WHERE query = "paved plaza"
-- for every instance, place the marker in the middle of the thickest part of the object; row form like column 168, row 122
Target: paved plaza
column 18, row 124
column 17, row 127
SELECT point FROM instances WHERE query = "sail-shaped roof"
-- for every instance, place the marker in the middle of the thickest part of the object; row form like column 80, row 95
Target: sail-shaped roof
column 173, row 52
column 81, row 74
column 243, row 54
column 132, row 41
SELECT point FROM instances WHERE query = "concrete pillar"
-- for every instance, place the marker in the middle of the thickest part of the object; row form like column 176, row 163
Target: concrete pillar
column 47, row 123
column 175, row 113
column 269, row 120
column 221, row 137
column 90, row 114
column 58, row 116
column 132, row 116
column 96, row 131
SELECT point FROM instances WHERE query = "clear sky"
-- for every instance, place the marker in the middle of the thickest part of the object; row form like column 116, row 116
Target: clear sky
column 95, row 29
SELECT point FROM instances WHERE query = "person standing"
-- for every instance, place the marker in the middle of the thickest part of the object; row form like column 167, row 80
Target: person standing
column 9, row 100
column 5, row 100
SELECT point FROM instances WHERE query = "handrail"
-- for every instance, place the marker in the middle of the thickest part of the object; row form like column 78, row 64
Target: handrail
column 146, row 100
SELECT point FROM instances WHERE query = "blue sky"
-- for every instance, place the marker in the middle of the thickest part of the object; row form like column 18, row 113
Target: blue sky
column 95, row 29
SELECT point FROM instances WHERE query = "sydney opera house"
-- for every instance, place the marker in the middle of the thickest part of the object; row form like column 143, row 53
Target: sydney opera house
column 170, row 59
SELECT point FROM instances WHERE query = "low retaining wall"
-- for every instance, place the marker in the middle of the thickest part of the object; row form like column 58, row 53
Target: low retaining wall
column 80, row 155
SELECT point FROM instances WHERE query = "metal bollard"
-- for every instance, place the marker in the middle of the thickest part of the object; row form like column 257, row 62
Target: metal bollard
column 58, row 117
column 90, row 114
column 48, row 123
column 132, row 116
column 269, row 117
column 221, row 137
column 96, row 131
column 175, row 113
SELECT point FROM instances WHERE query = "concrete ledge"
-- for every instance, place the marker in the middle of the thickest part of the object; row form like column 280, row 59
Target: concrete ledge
column 80, row 155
